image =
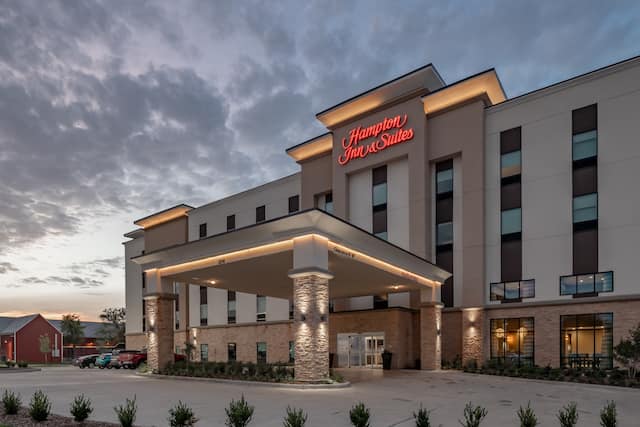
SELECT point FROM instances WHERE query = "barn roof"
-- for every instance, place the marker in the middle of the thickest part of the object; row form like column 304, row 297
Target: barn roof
column 11, row 325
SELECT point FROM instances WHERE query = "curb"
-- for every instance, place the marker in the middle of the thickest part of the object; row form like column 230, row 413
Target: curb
column 18, row 370
column 335, row 386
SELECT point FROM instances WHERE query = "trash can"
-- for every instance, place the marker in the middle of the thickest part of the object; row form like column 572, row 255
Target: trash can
column 386, row 360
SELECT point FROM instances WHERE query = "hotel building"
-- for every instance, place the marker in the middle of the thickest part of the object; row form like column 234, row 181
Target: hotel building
column 434, row 221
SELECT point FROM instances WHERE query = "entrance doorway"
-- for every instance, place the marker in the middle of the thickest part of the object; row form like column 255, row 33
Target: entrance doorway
column 360, row 350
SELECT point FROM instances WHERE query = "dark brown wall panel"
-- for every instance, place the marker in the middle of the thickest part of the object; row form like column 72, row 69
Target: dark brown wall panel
column 444, row 210
column 510, row 140
column 585, row 119
column 510, row 196
column 511, row 266
column 585, row 251
column 585, row 180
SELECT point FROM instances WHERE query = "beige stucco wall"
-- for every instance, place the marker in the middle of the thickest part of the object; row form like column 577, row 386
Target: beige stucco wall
column 315, row 178
column 164, row 235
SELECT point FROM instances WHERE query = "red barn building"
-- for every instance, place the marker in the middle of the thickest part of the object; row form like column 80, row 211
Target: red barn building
column 20, row 339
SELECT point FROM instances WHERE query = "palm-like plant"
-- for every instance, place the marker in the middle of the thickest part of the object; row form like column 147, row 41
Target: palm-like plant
column 72, row 331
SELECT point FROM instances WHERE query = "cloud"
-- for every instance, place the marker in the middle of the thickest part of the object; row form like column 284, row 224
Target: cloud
column 6, row 267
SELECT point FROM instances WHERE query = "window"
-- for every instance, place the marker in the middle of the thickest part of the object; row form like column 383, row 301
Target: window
column 144, row 316
column 510, row 164
column 231, row 352
column 512, row 341
column 511, row 221
column 379, row 200
column 291, row 309
column 294, row 204
column 203, row 230
column 204, row 352
column 231, row 222
column 261, row 352
column 587, row 340
column 292, row 351
column 512, row 291
column 586, row 284
column 444, row 234
column 144, row 280
column 444, row 181
column 585, row 145
column 261, row 213
column 231, row 307
column 585, row 208
column 204, row 310
column 261, row 308
column 177, row 306
column 328, row 202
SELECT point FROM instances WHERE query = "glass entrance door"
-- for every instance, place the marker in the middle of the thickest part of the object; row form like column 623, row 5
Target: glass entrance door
column 360, row 350
column 374, row 346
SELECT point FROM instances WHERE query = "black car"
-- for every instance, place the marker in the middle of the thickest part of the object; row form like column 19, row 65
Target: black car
column 88, row 361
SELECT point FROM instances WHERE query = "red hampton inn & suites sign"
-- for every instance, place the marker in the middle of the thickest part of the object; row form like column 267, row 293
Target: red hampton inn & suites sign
column 388, row 132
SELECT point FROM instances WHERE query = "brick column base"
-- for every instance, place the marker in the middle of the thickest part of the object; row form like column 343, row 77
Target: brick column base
column 311, row 326
column 472, row 327
column 159, row 309
column 430, row 339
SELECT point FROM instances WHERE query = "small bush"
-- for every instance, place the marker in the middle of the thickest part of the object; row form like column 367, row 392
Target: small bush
column 127, row 413
column 10, row 363
column 609, row 415
column 239, row 413
column 11, row 402
column 23, row 364
column 359, row 415
column 295, row 418
column 473, row 415
column 568, row 415
column 182, row 416
column 81, row 408
column 422, row 417
column 40, row 406
column 527, row 417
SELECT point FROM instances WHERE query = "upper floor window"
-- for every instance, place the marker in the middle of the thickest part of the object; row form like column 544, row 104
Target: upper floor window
column 510, row 164
column 586, row 284
column 379, row 201
column 204, row 307
column 444, row 233
column 261, row 213
column 328, row 202
column 294, row 204
column 231, row 307
column 144, row 280
column 512, row 291
column 261, row 308
column 585, row 145
column 203, row 230
column 585, row 208
column 231, row 222
column 511, row 221
column 444, row 181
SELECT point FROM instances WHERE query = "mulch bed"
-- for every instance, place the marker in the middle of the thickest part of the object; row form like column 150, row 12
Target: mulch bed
column 22, row 419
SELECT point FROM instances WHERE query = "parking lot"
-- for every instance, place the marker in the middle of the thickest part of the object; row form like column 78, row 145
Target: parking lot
column 392, row 397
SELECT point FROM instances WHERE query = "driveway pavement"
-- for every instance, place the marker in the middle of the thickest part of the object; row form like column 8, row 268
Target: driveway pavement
column 392, row 397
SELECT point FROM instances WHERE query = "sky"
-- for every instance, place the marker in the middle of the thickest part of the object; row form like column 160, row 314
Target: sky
column 112, row 110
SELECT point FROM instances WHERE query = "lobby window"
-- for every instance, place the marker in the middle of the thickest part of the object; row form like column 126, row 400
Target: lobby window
column 586, row 284
column 203, row 230
column 585, row 208
column 512, row 341
column 261, row 352
column 511, row 208
column 176, row 316
column 231, row 352
column 292, row 351
column 231, row 222
column 512, row 291
column 379, row 197
column 204, row 352
column 231, row 307
column 444, row 225
column 204, row 307
column 261, row 213
column 587, row 340
column 261, row 308
column 294, row 204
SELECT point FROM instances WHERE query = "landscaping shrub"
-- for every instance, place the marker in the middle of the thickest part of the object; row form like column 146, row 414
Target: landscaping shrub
column 11, row 402
column 81, row 408
column 473, row 415
column 40, row 406
column 295, row 418
column 182, row 416
column 127, row 413
column 422, row 417
column 609, row 415
column 10, row 363
column 239, row 413
column 23, row 364
column 568, row 415
column 269, row 372
column 527, row 417
column 359, row 415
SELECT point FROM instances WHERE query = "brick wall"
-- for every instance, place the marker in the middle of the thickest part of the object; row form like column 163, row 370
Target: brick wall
column 451, row 334
column 136, row 341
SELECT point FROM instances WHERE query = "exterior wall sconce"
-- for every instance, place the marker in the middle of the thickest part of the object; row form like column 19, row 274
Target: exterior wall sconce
column 438, row 332
column 303, row 318
column 323, row 318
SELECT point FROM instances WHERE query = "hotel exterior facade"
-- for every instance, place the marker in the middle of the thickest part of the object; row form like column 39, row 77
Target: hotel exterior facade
column 434, row 221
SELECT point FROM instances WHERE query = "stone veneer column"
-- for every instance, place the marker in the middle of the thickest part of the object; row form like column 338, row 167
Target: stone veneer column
column 311, row 326
column 159, row 309
column 472, row 339
column 430, row 335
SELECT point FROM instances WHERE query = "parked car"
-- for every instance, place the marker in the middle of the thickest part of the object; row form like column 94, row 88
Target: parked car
column 104, row 361
column 125, row 358
column 131, row 360
column 88, row 361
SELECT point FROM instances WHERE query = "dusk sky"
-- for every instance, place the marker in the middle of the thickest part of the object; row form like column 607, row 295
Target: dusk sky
column 112, row 110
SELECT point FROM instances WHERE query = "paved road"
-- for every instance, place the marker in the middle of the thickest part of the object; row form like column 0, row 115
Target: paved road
column 392, row 397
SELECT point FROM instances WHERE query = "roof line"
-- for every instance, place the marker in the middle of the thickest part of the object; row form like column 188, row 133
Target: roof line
column 179, row 205
column 488, row 70
column 306, row 142
column 379, row 86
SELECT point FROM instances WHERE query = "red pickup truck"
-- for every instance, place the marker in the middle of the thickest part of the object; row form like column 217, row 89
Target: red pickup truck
column 133, row 359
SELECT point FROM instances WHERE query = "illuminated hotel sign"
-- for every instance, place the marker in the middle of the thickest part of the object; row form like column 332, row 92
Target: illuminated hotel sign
column 388, row 132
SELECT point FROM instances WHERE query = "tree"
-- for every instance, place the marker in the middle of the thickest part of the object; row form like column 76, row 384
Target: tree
column 45, row 346
column 113, row 331
column 189, row 348
column 627, row 351
column 72, row 331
